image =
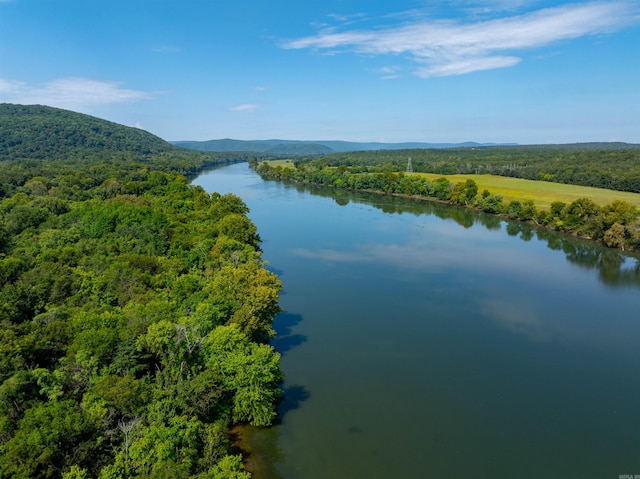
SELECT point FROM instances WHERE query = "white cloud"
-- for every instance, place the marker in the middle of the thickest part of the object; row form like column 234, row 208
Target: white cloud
column 167, row 49
column 390, row 72
column 339, row 17
column 481, row 7
column 466, row 65
column 245, row 107
column 72, row 93
column 442, row 47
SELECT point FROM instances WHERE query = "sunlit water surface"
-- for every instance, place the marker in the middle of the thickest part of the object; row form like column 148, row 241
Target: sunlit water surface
column 426, row 341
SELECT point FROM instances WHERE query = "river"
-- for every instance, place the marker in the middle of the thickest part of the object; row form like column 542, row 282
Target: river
column 421, row 340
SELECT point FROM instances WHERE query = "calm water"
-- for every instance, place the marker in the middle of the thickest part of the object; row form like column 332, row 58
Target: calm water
column 424, row 341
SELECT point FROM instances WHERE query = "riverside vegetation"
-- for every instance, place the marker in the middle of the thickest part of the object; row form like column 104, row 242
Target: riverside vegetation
column 135, row 309
column 616, row 224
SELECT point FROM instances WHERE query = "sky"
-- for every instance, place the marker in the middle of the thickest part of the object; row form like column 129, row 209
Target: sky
column 504, row 71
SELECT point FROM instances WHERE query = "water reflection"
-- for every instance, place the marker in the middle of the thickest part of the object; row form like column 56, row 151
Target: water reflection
column 436, row 350
column 613, row 267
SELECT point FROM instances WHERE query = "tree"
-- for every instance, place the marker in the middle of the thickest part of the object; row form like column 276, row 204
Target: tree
column 528, row 211
column 514, row 210
column 249, row 370
column 614, row 237
column 50, row 437
column 582, row 217
column 227, row 204
column 107, row 259
column 442, row 189
column 492, row 204
column 229, row 467
column 76, row 472
column 240, row 228
column 621, row 212
column 249, row 295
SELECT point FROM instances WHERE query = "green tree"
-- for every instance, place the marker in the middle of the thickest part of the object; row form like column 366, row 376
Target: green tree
column 442, row 189
column 249, row 295
column 229, row 467
column 620, row 212
column 50, row 437
column 249, row 370
column 239, row 228
column 614, row 237
column 493, row 204
column 514, row 210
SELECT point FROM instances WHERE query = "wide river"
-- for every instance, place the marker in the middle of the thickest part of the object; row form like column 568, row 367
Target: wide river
column 427, row 341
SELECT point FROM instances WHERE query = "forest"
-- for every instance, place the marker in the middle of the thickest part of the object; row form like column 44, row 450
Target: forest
column 615, row 166
column 616, row 225
column 136, row 309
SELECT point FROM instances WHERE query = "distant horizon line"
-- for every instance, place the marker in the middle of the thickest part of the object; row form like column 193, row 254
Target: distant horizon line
column 383, row 142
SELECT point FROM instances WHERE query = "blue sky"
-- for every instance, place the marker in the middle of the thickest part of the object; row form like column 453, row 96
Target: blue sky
column 525, row 71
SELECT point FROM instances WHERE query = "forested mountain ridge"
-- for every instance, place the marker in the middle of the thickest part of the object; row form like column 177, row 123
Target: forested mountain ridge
column 43, row 132
column 313, row 147
column 274, row 147
column 33, row 138
column 135, row 309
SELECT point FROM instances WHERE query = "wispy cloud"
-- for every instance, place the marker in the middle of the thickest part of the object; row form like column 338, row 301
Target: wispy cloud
column 345, row 19
column 73, row 93
column 245, row 107
column 167, row 49
column 447, row 47
column 390, row 72
column 479, row 7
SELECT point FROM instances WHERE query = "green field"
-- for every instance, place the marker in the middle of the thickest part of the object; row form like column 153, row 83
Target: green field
column 282, row 163
column 542, row 193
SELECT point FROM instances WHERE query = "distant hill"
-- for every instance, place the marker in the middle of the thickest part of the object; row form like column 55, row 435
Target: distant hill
column 43, row 132
column 312, row 147
column 275, row 147
column 587, row 146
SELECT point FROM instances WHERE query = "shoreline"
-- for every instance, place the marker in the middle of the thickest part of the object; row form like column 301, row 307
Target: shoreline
column 533, row 222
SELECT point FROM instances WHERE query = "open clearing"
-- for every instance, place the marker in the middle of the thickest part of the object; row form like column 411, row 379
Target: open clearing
column 543, row 193
column 281, row 163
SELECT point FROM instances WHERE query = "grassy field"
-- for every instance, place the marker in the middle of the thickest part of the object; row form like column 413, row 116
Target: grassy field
column 542, row 193
column 282, row 163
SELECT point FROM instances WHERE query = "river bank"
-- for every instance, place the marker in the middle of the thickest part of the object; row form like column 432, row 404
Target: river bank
column 615, row 225
column 396, row 309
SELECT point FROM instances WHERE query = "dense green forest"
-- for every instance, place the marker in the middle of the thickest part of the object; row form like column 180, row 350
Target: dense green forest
column 614, row 166
column 41, row 132
column 136, row 310
column 616, row 225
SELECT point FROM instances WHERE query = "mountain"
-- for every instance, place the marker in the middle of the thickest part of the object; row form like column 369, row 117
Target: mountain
column 259, row 146
column 43, row 132
column 312, row 147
